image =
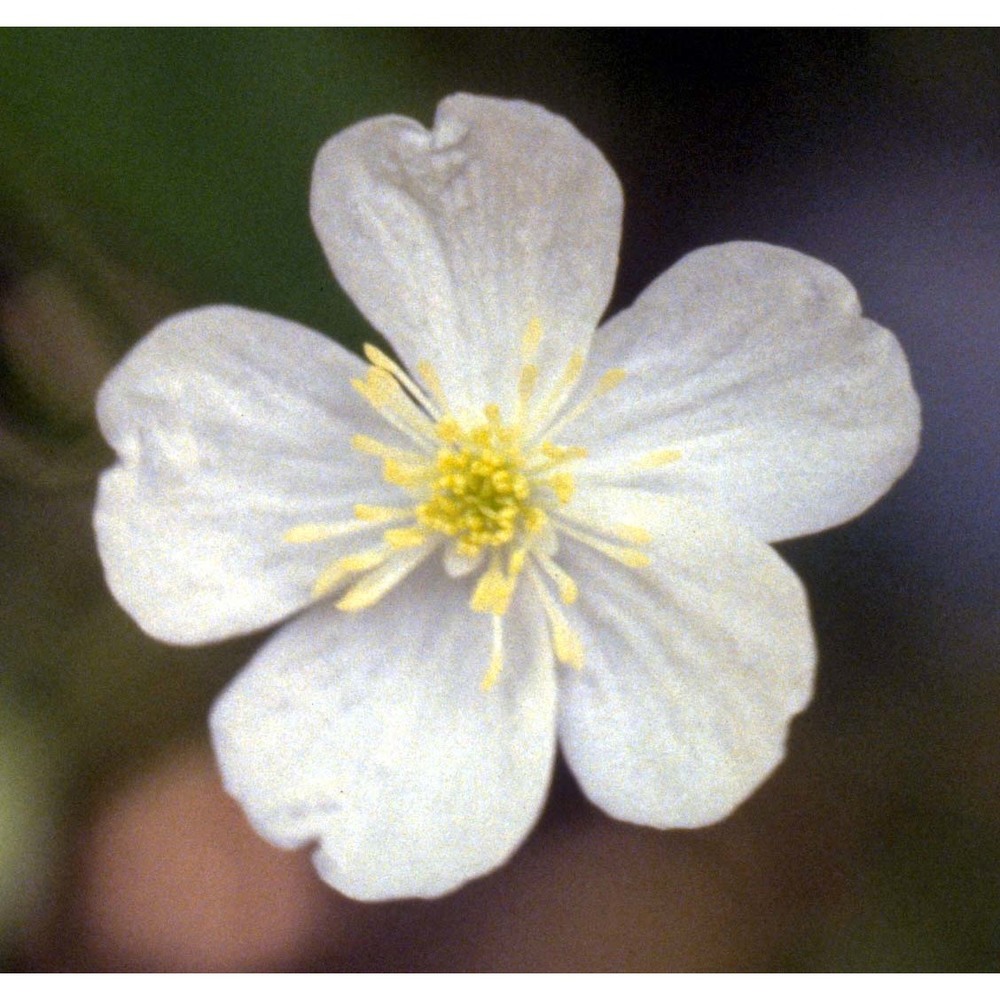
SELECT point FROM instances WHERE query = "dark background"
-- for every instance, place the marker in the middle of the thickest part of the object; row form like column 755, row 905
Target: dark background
column 146, row 171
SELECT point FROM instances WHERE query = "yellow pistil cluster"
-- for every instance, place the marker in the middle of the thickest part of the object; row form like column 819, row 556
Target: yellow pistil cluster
column 480, row 495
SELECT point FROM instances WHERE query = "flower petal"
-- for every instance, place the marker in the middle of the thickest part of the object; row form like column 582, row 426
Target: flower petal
column 452, row 241
column 370, row 734
column 790, row 411
column 693, row 667
column 231, row 427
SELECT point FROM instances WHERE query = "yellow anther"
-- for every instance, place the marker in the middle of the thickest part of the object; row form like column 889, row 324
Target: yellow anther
column 574, row 368
column 630, row 557
column 535, row 519
column 493, row 591
column 516, row 562
column 405, row 538
column 655, row 459
column 328, row 580
column 631, row 533
column 568, row 590
column 305, row 533
column 374, row 585
column 400, row 474
column 526, row 384
column 358, row 562
column 366, row 512
column 338, row 571
column 369, row 446
column 449, row 430
column 531, row 338
column 432, row 383
column 558, row 453
column 611, row 379
column 360, row 597
column 379, row 358
column 378, row 387
column 562, row 485
column 566, row 643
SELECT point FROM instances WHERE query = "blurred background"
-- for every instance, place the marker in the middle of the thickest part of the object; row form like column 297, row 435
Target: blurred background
column 146, row 171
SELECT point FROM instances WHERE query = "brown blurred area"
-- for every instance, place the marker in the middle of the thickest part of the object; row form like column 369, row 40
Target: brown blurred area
column 166, row 875
column 874, row 847
column 826, row 867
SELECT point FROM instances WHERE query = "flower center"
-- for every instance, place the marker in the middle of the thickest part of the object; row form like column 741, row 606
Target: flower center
column 481, row 493
column 495, row 495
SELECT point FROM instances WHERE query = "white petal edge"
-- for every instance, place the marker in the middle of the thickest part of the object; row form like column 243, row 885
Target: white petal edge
column 693, row 667
column 452, row 241
column 791, row 412
column 369, row 734
column 230, row 427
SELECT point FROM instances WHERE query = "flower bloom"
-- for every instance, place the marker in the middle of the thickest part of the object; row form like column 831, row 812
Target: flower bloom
column 526, row 531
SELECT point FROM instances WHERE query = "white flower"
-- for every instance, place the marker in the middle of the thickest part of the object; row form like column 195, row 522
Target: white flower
column 525, row 531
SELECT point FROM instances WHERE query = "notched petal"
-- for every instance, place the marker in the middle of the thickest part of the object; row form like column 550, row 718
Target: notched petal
column 411, row 779
column 231, row 427
column 791, row 412
column 454, row 241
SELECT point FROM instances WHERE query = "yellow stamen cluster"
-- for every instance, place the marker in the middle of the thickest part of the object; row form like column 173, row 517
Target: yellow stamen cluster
column 481, row 495
column 486, row 488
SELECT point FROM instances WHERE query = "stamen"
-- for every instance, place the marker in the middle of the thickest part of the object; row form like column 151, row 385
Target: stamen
column 568, row 590
column 449, row 430
column 516, row 562
column 630, row 533
column 632, row 558
column 380, row 515
column 566, row 643
column 383, row 393
column 405, row 538
column 530, row 340
column 407, row 476
column 373, row 586
column 611, row 379
column 493, row 590
column 558, row 453
column 492, row 492
column 496, row 656
column 383, row 361
column 430, row 378
column 340, row 569
column 633, row 533
column 562, row 485
column 369, row 446
column 655, row 459
column 525, row 388
column 304, row 534
column 559, row 391
column 535, row 520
